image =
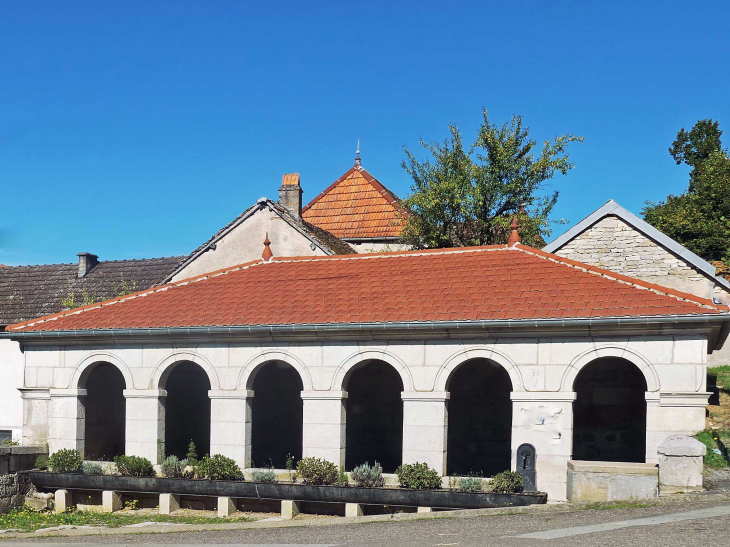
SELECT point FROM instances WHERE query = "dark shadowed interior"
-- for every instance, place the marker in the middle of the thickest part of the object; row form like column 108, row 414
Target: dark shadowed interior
column 187, row 410
column 104, row 413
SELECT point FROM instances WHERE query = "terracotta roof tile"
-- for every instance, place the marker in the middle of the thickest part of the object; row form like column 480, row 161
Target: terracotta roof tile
column 479, row 283
column 357, row 206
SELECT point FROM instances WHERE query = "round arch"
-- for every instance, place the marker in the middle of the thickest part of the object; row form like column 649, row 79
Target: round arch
column 247, row 374
column 85, row 365
column 467, row 354
column 342, row 372
column 588, row 356
column 165, row 366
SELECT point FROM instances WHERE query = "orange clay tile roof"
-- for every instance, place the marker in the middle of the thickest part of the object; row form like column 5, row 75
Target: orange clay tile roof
column 477, row 283
column 356, row 206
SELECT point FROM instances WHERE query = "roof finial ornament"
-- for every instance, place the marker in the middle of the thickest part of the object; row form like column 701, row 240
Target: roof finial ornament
column 514, row 237
column 357, row 154
column 267, row 254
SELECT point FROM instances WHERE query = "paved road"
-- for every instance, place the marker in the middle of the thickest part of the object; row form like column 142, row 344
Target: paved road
column 661, row 526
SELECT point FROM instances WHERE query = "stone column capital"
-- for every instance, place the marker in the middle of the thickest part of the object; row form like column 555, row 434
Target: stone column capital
column 144, row 393
column 425, row 396
column 67, row 392
column 230, row 394
column 34, row 393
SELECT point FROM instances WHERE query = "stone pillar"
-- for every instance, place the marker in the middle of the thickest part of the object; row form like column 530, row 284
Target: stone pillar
column 62, row 501
column 289, row 509
column 230, row 425
column 425, row 423
column 36, row 408
column 66, row 417
column 145, row 423
column 681, row 463
column 226, row 506
column 324, row 425
column 111, row 501
column 353, row 510
column 544, row 419
column 169, row 503
column 672, row 413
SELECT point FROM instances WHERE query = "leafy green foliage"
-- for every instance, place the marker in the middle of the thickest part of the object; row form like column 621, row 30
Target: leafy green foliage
column 92, row 468
column 264, row 475
column 134, row 466
column 219, row 468
column 366, row 476
column 418, row 476
column 192, row 455
column 699, row 218
column 173, row 468
column 469, row 484
column 507, row 482
column 468, row 197
column 38, row 463
column 66, row 460
column 711, row 439
column 317, row 471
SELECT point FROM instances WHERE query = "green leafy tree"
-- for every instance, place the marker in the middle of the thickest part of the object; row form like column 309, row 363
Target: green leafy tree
column 462, row 197
column 699, row 218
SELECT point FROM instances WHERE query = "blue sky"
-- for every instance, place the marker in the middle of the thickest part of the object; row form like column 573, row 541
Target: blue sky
column 137, row 129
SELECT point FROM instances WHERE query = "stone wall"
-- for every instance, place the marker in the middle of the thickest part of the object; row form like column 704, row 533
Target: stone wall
column 13, row 489
column 614, row 245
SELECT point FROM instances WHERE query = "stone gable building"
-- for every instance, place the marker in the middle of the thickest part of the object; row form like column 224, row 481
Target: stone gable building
column 454, row 357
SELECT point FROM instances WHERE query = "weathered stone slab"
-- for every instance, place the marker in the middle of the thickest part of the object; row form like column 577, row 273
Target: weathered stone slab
column 681, row 463
column 611, row 481
column 289, row 509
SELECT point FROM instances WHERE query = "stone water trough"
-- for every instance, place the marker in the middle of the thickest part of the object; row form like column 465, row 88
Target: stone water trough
column 349, row 495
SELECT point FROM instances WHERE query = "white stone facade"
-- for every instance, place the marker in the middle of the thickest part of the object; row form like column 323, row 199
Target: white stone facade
column 542, row 371
column 11, row 372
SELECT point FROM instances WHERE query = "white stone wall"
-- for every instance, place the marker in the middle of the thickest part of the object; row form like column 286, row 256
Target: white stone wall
column 246, row 243
column 11, row 372
column 377, row 247
column 616, row 246
column 542, row 372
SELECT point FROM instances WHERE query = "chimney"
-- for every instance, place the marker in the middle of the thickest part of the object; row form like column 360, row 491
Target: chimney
column 86, row 262
column 290, row 194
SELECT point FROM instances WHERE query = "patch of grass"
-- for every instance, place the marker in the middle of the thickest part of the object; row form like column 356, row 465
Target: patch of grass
column 711, row 439
column 628, row 504
column 26, row 520
column 722, row 375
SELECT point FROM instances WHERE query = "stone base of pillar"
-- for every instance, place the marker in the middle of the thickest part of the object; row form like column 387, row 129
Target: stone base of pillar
column 289, row 509
column 111, row 501
column 226, row 506
column 169, row 503
column 62, row 501
column 353, row 510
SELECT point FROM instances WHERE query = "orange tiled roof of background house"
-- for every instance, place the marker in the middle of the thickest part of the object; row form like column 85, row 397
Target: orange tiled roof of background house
column 356, row 206
column 465, row 284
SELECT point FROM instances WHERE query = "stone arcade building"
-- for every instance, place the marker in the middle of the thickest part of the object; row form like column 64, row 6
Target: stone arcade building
column 454, row 357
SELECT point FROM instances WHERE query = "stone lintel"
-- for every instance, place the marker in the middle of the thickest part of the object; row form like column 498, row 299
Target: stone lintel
column 324, row 395
column 68, row 392
column 541, row 396
column 426, row 396
column 144, row 393
column 230, row 394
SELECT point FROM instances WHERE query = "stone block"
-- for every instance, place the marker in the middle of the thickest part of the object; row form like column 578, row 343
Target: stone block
column 37, row 504
column 681, row 463
column 611, row 481
column 425, row 509
column 169, row 503
column 353, row 510
column 62, row 501
column 226, row 506
column 111, row 501
column 289, row 509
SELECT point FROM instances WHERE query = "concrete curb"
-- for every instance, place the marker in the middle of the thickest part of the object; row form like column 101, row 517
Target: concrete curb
column 160, row 528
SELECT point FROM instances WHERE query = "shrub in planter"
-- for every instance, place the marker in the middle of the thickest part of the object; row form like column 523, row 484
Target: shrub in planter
column 418, row 476
column 507, row 482
column 173, row 468
column 317, row 471
column 92, row 468
column 369, row 477
column 264, row 475
column 66, row 460
column 219, row 468
column 469, row 484
column 134, row 466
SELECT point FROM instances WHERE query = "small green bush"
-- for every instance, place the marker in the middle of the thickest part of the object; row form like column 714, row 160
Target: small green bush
column 134, row 466
column 368, row 477
column 469, row 484
column 264, row 475
column 219, row 468
column 418, row 476
column 66, row 460
column 92, row 468
column 317, row 471
column 192, row 455
column 39, row 463
column 507, row 482
column 173, row 468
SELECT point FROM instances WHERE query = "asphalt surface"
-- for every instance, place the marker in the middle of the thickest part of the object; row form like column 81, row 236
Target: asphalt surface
column 669, row 525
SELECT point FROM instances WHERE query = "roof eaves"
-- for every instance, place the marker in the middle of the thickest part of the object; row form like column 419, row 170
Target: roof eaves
column 611, row 207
